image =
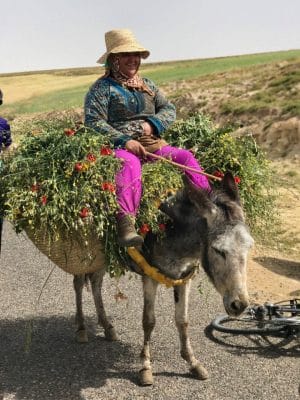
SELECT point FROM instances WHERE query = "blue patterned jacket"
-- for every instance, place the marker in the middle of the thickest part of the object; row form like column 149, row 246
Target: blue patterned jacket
column 118, row 112
column 5, row 136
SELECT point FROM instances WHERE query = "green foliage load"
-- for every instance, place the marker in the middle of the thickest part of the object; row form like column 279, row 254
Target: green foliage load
column 219, row 151
column 61, row 179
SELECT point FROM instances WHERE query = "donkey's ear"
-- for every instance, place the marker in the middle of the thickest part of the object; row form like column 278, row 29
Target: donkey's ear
column 230, row 187
column 201, row 200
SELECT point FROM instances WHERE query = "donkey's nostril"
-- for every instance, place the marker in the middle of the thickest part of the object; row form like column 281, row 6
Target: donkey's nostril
column 236, row 306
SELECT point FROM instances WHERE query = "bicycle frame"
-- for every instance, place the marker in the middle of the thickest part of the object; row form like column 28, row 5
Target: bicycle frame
column 279, row 318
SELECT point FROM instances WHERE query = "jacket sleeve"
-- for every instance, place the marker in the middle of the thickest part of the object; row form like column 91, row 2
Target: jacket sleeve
column 96, row 113
column 165, row 112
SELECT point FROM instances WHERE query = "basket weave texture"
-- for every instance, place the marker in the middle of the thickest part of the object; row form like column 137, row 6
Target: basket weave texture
column 68, row 252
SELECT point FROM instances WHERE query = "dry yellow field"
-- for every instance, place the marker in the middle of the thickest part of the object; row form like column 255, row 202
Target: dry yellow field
column 22, row 87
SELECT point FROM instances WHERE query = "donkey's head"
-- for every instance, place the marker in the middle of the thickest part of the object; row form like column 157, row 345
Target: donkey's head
column 226, row 241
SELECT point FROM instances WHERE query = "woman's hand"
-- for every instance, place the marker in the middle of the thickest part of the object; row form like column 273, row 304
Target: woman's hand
column 136, row 148
column 147, row 129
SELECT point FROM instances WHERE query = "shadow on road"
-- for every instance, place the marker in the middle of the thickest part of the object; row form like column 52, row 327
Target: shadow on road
column 51, row 365
column 288, row 268
column 269, row 346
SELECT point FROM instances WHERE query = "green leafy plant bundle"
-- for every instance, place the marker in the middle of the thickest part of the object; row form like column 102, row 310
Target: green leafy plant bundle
column 218, row 151
column 61, row 179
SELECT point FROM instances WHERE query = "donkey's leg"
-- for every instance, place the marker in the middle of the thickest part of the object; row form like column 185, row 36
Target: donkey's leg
column 149, row 288
column 81, row 334
column 96, row 280
column 181, row 296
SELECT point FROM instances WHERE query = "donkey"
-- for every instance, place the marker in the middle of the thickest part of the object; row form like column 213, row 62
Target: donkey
column 205, row 228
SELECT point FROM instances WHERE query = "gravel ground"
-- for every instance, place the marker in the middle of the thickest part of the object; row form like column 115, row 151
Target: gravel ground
column 40, row 359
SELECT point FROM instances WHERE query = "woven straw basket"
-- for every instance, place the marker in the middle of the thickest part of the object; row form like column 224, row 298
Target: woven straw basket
column 68, row 253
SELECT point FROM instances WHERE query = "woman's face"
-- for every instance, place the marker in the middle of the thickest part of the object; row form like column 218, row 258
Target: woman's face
column 129, row 63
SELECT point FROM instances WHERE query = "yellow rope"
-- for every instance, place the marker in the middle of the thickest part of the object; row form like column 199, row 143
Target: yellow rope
column 153, row 272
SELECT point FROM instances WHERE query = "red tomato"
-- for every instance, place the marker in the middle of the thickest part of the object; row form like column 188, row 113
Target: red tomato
column 162, row 227
column 110, row 187
column 91, row 157
column 35, row 187
column 84, row 212
column 69, row 132
column 44, row 200
column 218, row 174
column 78, row 166
column 105, row 151
column 145, row 228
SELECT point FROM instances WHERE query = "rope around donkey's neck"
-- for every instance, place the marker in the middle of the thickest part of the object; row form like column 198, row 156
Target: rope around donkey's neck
column 216, row 178
column 153, row 272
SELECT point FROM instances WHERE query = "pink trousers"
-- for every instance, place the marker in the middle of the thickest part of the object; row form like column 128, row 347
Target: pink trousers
column 128, row 179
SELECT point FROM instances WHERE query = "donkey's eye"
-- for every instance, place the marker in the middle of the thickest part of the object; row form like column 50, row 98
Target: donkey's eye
column 220, row 253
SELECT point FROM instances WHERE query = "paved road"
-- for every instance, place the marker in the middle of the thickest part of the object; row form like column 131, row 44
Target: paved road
column 40, row 360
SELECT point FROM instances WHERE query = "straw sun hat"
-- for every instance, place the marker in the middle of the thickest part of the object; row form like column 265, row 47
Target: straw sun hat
column 121, row 41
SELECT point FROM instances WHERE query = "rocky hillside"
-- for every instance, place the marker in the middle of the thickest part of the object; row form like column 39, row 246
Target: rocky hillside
column 263, row 100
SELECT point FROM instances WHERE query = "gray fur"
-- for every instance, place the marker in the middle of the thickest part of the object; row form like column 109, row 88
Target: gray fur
column 204, row 229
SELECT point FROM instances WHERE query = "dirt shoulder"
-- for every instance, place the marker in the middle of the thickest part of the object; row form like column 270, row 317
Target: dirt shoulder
column 274, row 273
column 272, row 277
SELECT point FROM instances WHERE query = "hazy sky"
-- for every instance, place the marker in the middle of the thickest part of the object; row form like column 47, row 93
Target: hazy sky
column 49, row 34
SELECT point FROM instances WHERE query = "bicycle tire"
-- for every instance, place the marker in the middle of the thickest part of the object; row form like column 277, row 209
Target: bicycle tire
column 245, row 325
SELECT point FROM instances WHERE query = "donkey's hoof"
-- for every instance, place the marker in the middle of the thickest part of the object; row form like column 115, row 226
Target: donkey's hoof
column 199, row 372
column 146, row 377
column 110, row 334
column 81, row 336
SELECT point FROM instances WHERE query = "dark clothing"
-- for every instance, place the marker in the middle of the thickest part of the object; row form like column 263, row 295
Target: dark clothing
column 5, row 136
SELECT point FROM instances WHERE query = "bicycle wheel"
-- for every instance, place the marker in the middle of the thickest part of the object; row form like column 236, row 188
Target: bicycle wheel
column 246, row 325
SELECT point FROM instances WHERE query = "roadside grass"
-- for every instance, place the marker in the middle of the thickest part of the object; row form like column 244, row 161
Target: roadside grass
column 63, row 89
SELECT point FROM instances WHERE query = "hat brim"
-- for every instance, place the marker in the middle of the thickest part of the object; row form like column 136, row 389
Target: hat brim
column 121, row 49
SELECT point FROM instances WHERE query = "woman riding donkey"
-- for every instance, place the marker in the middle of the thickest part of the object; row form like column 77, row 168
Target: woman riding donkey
column 133, row 113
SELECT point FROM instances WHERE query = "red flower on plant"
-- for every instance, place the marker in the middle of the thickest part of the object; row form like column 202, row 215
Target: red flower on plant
column 105, row 151
column 218, row 174
column 78, row 166
column 69, row 132
column 144, row 229
column 84, row 212
column 162, row 227
column 237, row 180
column 108, row 186
column 91, row 157
column 44, row 200
column 35, row 187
